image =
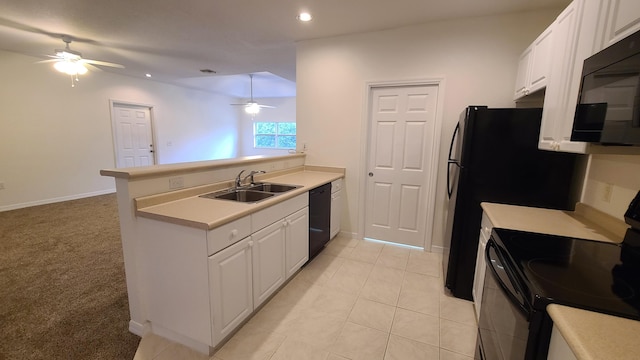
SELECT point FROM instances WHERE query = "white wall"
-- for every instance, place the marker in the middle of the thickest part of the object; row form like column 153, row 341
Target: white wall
column 476, row 56
column 621, row 173
column 284, row 111
column 54, row 139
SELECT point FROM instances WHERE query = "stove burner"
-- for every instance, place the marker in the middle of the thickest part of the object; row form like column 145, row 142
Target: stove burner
column 590, row 281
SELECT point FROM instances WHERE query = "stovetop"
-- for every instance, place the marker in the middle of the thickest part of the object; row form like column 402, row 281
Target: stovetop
column 598, row 276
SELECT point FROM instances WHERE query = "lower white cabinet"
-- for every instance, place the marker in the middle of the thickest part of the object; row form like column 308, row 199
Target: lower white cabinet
column 481, row 263
column 297, row 240
column 558, row 347
column 268, row 261
column 230, row 287
column 336, row 207
column 200, row 285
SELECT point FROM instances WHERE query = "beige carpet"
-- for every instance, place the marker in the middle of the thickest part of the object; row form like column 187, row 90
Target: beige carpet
column 62, row 283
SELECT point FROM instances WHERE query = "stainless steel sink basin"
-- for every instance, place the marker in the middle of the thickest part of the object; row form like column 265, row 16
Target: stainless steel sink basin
column 273, row 188
column 246, row 196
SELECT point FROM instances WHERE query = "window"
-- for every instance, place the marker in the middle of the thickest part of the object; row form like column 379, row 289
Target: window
column 274, row 135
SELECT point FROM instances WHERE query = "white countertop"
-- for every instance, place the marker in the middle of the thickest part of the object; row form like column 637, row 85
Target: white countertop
column 579, row 224
column 207, row 214
column 596, row 336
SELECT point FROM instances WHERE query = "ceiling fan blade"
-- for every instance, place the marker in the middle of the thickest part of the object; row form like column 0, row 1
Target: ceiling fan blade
column 103, row 63
column 267, row 106
column 239, row 104
column 47, row 61
column 91, row 67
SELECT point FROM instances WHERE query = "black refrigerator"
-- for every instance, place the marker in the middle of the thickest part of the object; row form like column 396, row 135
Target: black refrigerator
column 494, row 157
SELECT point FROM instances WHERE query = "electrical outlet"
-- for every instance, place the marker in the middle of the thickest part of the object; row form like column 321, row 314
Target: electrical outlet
column 606, row 193
column 176, row 182
column 1, row 186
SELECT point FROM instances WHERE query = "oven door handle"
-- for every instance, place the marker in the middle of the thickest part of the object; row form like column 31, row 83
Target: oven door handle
column 513, row 290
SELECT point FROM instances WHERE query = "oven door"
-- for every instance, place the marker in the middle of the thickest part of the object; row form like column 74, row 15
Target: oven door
column 504, row 327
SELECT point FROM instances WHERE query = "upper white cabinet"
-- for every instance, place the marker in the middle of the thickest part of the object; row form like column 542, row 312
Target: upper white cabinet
column 557, row 115
column 620, row 18
column 578, row 33
column 534, row 65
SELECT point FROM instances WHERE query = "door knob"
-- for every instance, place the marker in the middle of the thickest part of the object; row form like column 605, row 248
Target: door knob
column 370, row 174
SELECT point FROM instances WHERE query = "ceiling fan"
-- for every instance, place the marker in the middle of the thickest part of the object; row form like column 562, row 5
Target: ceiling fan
column 73, row 64
column 251, row 106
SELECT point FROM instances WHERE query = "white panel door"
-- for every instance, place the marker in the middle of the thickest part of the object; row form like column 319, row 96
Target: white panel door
column 297, row 240
column 399, row 163
column 231, row 287
column 133, row 135
column 268, row 261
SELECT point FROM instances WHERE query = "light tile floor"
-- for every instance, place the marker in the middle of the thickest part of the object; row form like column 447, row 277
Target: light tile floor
column 356, row 300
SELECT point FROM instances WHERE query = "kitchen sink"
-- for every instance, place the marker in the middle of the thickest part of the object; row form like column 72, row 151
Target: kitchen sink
column 251, row 193
column 273, row 188
column 247, row 196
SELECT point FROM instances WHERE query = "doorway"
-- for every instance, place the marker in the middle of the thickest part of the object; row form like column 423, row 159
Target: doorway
column 401, row 162
column 132, row 134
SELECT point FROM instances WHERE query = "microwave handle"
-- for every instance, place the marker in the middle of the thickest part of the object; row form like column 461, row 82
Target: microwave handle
column 512, row 290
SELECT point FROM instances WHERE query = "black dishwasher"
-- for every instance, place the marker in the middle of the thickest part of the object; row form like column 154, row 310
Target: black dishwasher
column 319, row 218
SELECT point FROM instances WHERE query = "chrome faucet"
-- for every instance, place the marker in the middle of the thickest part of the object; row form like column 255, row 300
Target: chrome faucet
column 240, row 179
column 253, row 172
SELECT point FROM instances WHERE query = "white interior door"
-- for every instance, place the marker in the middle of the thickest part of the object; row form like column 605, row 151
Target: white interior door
column 133, row 136
column 401, row 146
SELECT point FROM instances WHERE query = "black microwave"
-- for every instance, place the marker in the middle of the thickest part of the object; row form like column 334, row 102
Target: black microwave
column 608, row 110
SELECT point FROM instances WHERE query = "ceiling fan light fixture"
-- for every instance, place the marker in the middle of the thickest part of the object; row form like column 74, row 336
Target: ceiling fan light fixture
column 70, row 67
column 252, row 108
column 304, row 17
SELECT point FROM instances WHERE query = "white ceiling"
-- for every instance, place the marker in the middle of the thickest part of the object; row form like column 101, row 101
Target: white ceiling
column 174, row 39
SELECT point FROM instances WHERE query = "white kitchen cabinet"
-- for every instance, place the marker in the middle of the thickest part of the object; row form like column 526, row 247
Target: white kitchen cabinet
column 231, row 287
column 534, row 65
column 202, row 284
column 558, row 347
column 481, row 263
column 268, row 261
column 620, row 18
column 582, row 29
column 336, row 207
column 297, row 240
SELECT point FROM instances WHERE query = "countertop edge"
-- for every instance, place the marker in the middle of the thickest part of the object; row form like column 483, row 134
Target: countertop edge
column 592, row 335
column 153, row 201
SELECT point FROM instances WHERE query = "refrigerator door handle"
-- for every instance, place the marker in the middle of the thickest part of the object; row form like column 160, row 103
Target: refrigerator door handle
column 452, row 161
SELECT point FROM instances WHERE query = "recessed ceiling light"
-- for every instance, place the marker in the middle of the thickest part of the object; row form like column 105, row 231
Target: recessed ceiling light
column 304, row 17
column 147, row 75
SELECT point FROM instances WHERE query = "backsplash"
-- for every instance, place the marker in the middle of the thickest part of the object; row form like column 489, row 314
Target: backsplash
column 612, row 181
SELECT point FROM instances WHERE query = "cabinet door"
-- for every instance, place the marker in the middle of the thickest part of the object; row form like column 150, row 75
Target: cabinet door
column 268, row 261
column 336, row 213
column 297, row 240
column 556, row 96
column 478, row 280
column 541, row 61
column 622, row 20
column 230, row 286
column 522, row 77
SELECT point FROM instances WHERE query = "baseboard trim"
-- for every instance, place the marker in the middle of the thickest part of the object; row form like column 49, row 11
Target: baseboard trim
column 181, row 339
column 55, row 200
column 437, row 249
column 139, row 329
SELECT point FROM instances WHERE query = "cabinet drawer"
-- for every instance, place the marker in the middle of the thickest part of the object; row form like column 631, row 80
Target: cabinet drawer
column 228, row 234
column 278, row 211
